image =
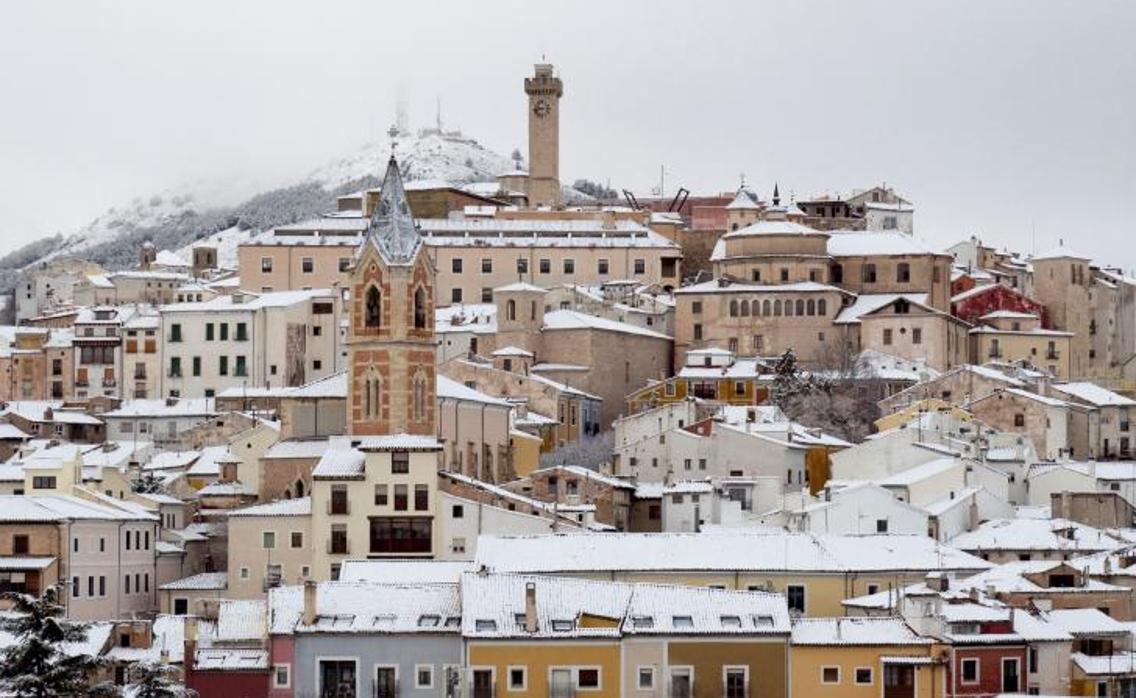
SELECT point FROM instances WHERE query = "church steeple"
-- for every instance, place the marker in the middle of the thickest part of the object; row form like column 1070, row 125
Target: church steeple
column 392, row 229
column 776, row 195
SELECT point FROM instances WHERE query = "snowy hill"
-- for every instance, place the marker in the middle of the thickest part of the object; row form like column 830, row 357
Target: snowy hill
column 176, row 220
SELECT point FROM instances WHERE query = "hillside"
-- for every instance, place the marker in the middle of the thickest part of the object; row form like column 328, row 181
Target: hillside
column 175, row 221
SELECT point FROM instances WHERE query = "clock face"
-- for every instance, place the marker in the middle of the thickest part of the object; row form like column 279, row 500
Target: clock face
column 541, row 108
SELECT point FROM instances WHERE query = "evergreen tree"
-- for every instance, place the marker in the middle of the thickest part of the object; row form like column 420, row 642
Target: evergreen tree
column 145, row 483
column 157, row 680
column 37, row 664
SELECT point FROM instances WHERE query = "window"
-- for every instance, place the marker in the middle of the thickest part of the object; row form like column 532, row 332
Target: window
column 380, row 495
column 696, row 307
column 337, row 677
column 518, row 678
column 372, row 307
column 887, row 336
column 736, row 680
column 522, row 265
column 697, row 330
column 795, row 594
column 43, row 482
column 881, row 525
column 640, row 266
column 420, row 308
column 224, row 331
column 916, row 335
column 970, row 671
column 486, row 265
column 208, row 332
column 424, row 676
column 265, row 265
column 455, row 295
column 863, row 675
column 307, row 265
column 400, row 462
column 268, row 540
column 1019, row 420
column 20, row 544
column 784, row 275
column 830, row 674
column 181, row 607
column 903, row 272
column 338, row 504
column 421, row 497
column 458, row 511
column 602, row 266
column 175, row 332
column 344, row 263
column 296, row 539
column 242, row 332
column 646, row 678
column 195, row 366
column 545, row 266
column 456, row 265
column 588, row 678
column 281, row 676
column 242, row 370
column 400, row 498
column 486, row 295
column 457, row 545
column 868, row 273
column 401, row 535
column 223, row 365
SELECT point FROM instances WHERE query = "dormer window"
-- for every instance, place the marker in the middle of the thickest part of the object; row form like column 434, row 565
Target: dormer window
column 682, row 621
column 562, row 626
column 429, row 621
column 642, row 622
column 485, row 626
column 730, row 621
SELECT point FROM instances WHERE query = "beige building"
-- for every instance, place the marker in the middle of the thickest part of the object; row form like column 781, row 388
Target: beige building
column 128, row 287
column 249, row 340
column 1061, row 281
column 903, row 325
column 269, row 545
column 36, row 363
column 1011, row 337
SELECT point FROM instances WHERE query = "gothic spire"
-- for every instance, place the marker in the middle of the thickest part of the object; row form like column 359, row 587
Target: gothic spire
column 776, row 195
column 392, row 229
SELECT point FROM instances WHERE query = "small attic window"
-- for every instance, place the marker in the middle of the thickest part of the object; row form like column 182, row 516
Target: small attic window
column 762, row 621
column 730, row 621
column 386, row 619
column 519, row 619
column 562, row 626
column 642, row 622
column 453, row 621
column 485, row 626
column 429, row 621
column 682, row 621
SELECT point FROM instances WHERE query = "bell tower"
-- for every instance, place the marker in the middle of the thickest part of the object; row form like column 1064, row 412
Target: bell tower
column 544, row 90
column 390, row 342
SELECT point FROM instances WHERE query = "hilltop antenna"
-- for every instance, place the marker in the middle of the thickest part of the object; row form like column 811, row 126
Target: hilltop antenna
column 438, row 112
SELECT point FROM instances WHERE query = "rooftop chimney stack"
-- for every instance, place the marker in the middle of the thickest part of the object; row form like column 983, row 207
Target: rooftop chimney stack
column 309, row 602
column 530, row 607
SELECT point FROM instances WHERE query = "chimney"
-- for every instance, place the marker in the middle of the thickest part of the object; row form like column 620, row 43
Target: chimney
column 190, row 642
column 309, row 602
column 530, row 607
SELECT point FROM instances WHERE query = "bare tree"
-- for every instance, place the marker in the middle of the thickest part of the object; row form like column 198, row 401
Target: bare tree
column 837, row 395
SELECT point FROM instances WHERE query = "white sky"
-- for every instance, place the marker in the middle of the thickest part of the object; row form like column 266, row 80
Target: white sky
column 1013, row 120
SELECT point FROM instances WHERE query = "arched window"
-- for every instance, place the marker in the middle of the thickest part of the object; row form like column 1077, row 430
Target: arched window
column 765, row 307
column 511, row 309
column 373, row 307
column 822, row 307
column 812, row 307
column 734, row 308
column 420, row 308
column 800, row 307
column 745, row 308
column 756, row 307
column 777, row 308
column 788, row 308
column 376, row 402
column 299, row 489
column 371, row 394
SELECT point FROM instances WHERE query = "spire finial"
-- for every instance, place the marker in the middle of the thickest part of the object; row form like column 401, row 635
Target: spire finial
column 776, row 195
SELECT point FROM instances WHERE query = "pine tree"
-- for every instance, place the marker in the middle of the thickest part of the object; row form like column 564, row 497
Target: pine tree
column 37, row 665
column 157, row 680
column 146, row 483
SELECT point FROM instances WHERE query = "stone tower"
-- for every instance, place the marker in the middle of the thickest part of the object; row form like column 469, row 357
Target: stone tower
column 544, row 90
column 390, row 342
column 1061, row 280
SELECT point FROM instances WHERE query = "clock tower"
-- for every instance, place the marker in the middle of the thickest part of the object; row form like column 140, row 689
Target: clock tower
column 544, row 90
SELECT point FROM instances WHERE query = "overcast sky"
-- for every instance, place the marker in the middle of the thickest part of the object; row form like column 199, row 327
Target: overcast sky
column 1011, row 120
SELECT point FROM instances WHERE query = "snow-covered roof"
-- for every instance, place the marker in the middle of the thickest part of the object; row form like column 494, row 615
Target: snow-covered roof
column 1009, row 315
column 157, row 409
column 576, row 320
column 870, row 302
column 9, row 563
column 249, row 302
column 513, row 351
column 1085, row 621
column 205, row 581
column 35, row 411
column 297, row 448
column 208, row 464
column 1036, row 534
column 919, row 473
column 361, row 607
column 743, row 201
column 520, row 286
column 1059, row 252
column 230, row 659
column 301, row 506
column 587, row 474
column 1119, row 664
column 773, row 227
column 494, row 607
column 855, row 631
column 447, row 388
column 718, row 551
column 874, row 243
column 226, row 489
column 404, row 571
column 1093, row 394
column 50, row 508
